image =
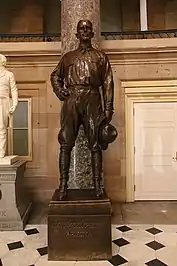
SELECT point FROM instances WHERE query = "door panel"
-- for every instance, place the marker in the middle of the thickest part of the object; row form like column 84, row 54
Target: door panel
column 155, row 139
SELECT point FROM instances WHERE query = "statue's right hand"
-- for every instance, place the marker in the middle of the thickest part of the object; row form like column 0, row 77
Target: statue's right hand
column 62, row 94
column 12, row 109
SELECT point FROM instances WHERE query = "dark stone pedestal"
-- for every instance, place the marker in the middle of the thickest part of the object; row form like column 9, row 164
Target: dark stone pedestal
column 79, row 228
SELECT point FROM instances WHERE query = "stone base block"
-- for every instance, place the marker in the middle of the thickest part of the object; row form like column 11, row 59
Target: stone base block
column 79, row 228
column 8, row 160
column 14, row 201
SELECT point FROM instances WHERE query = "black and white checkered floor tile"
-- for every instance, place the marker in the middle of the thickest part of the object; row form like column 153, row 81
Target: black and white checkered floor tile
column 132, row 245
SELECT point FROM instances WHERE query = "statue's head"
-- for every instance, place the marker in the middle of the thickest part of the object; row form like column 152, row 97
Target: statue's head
column 3, row 60
column 84, row 30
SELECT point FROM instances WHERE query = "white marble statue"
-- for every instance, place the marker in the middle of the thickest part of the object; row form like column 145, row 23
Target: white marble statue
column 8, row 101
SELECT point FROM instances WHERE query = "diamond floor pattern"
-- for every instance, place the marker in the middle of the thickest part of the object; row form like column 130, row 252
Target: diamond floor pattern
column 29, row 247
column 155, row 245
column 156, row 263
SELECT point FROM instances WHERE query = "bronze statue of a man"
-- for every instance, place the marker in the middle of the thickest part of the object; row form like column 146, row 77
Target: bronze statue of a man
column 77, row 81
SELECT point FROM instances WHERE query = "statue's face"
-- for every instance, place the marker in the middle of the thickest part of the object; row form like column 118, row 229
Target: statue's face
column 84, row 30
column 2, row 60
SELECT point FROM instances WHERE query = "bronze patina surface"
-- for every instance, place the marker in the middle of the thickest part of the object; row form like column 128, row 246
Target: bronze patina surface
column 83, row 80
column 80, row 227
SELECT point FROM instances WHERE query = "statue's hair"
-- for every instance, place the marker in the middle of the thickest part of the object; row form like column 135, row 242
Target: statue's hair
column 82, row 21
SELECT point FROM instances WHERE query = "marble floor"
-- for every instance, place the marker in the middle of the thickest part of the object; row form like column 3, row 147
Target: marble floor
column 142, row 234
column 159, row 212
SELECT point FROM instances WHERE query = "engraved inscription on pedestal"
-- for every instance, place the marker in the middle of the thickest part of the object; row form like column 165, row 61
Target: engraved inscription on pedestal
column 80, row 238
column 79, row 230
column 76, row 229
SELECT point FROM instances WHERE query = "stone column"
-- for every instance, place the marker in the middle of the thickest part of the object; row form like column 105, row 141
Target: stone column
column 71, row 12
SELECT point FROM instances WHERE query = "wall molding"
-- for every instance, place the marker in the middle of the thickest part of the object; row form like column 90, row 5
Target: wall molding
column 120, row 52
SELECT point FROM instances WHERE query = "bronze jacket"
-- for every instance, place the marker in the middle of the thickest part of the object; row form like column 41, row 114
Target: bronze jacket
column 85, row 68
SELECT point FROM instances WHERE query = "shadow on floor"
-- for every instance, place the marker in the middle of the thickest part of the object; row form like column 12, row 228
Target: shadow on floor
column 127, row 213
column 158, row 212
column 39, row 214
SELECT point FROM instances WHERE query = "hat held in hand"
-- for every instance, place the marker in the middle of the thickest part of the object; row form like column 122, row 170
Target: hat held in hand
column 107, row 134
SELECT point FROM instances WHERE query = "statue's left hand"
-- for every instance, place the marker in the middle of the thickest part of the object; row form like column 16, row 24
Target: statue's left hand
column 108, row 116
column 12, row 109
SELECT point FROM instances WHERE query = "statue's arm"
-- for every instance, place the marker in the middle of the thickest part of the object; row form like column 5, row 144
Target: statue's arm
column 57, row 80
column 108, row 88
column 14, row 92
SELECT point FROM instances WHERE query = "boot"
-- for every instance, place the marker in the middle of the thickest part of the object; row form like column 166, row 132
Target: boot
column 97, row 173
column 64, row 164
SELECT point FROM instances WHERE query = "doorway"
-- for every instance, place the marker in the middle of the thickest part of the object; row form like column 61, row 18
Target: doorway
column 155, row 152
